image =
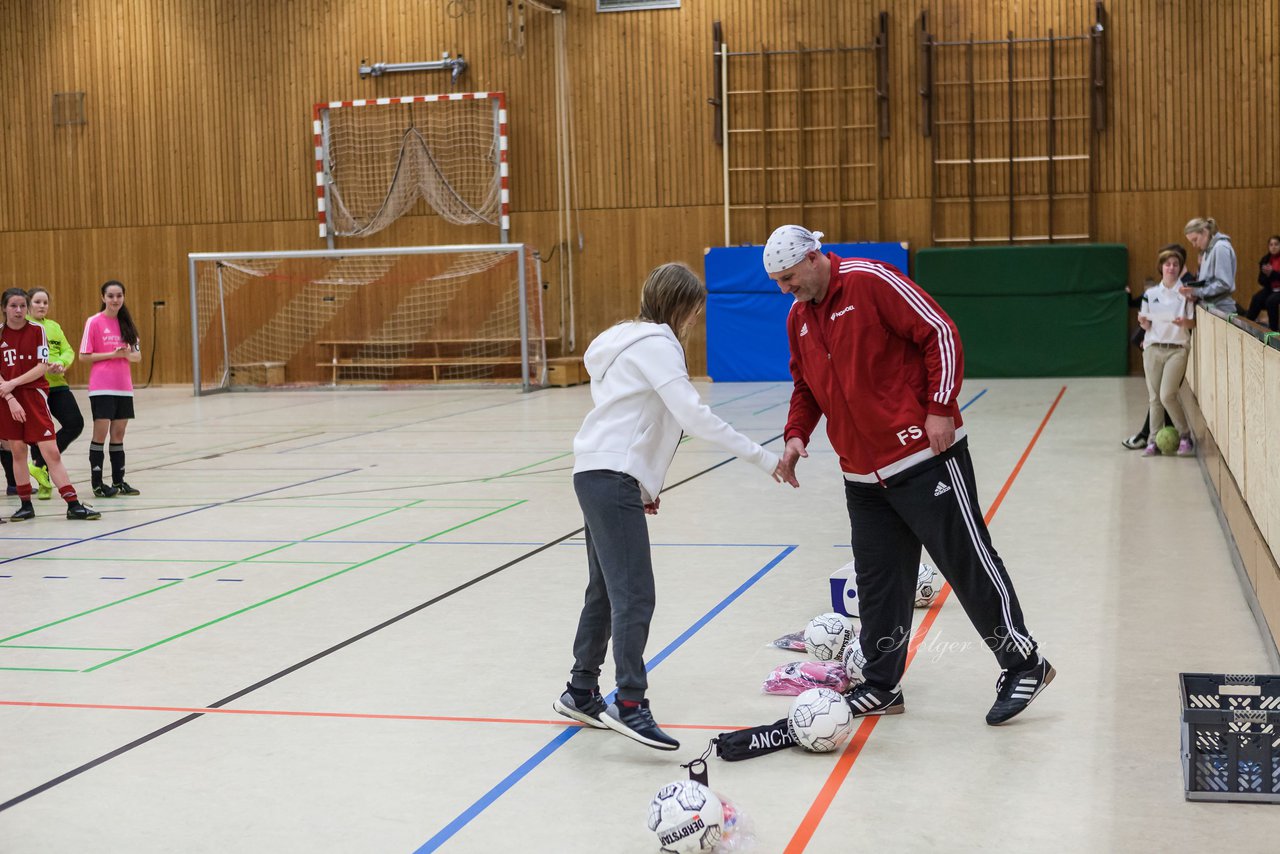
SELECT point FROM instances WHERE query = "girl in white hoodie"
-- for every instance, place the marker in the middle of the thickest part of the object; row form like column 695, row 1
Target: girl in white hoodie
column 643, row 401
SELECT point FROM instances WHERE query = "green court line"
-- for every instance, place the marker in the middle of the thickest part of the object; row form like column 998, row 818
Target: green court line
column 531, row 465
column 748, row 394
column 774, row 406
column 172, row 583
column 290, row 545
column 74, row 648
column 90, row 611
column 300, row 587
column 44, row 669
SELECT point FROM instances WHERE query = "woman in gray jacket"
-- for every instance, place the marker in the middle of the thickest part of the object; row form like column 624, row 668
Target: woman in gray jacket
column 1216, row 281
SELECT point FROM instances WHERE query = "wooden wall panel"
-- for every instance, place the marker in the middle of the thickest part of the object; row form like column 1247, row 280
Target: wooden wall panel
column 1268, row 508
column 198, row 130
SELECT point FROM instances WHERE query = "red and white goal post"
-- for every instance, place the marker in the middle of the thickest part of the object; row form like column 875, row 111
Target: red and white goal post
column 376, row 158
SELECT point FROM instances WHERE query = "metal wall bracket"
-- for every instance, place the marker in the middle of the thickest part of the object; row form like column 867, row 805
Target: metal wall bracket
column 455, row 66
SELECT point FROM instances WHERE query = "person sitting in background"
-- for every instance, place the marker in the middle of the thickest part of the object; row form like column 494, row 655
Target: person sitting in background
column 1168, row 317
column 1269, row 278
column 1139, row 440
column 1216, row 282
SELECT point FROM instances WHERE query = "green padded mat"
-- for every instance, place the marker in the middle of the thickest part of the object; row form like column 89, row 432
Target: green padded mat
column 1034, row 311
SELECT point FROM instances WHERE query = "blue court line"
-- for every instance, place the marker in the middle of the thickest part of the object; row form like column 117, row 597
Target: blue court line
column 973, row 399
column 176, row 516
column 473, row 811
column 466, row 816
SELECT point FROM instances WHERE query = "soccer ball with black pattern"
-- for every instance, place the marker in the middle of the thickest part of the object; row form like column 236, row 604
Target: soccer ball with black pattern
column 820, row 720
column 927, row 584
column 854, row 662
column 686, row 817
column 826, row 636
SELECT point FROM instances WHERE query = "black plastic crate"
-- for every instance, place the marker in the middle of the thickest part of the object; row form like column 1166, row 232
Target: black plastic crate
column 1231, row 737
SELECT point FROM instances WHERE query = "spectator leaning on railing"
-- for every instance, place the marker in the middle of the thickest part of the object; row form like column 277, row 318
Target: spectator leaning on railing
column 1269, row 280
column 1216, row 281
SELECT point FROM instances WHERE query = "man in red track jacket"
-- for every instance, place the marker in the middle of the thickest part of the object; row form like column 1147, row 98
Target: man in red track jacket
column 877, row 355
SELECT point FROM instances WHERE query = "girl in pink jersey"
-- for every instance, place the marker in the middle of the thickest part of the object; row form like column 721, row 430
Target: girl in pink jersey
column 110, row 346
column 24, row 406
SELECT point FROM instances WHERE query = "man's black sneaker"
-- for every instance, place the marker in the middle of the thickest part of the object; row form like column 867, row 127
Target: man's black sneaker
column 24, row 513
column 80, row 511
column 104, row 491
column 585, row 712
column 633, row 719
column 865, row 701
column 1015, row 689
column 124, row 489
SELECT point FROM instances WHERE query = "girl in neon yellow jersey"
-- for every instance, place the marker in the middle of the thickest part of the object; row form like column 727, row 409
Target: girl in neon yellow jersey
column 62, row 403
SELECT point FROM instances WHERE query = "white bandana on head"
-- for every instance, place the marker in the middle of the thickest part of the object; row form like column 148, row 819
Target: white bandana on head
column 788, row 245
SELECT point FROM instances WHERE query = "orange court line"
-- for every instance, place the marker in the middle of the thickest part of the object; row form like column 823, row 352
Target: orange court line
column 818, row 809
column 349, row 715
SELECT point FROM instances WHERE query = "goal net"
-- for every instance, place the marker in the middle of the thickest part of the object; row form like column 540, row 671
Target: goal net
column 376, row 159
column 429, row 314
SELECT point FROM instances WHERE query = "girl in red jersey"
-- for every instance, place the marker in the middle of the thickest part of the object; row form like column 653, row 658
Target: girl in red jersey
column 24, row 406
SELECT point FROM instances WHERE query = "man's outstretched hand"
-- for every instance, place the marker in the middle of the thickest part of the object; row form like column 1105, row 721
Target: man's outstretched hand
column 791, row 454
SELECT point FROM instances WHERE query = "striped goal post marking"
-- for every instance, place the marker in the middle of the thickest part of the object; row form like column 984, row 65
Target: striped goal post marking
column 499, row 101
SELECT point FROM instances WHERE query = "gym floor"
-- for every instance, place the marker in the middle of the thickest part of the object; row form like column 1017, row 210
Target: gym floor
column 335, row 621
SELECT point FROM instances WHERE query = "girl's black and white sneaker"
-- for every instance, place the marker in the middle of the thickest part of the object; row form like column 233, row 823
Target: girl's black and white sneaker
column 1015, row 689
column 633, row 719
column 82, row 511
column 866, row 701
column 586, row 711
column 1136, row 442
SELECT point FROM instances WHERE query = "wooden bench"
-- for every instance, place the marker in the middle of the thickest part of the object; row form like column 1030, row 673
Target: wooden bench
column 257, row 373
column 566, row 371
column 435, row 354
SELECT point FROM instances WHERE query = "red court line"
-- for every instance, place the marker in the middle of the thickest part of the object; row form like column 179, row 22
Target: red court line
column 347, row 715
column 818, row 809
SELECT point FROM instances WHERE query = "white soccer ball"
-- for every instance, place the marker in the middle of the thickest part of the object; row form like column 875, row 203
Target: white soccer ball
column 927, row 584
column 826, row 636
column 820, row 720
column 686, row 816
column 854, row 661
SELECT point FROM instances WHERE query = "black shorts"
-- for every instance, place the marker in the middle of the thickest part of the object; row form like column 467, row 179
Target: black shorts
column 112, row 407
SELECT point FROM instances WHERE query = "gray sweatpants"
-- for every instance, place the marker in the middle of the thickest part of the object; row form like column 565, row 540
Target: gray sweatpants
column 620, row 595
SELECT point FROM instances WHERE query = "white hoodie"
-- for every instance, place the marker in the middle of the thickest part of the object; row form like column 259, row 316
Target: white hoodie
column 643, row 399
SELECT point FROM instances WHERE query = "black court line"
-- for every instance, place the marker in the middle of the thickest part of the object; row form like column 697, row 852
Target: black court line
column 216, row 454
column 167, row 728
column 175, row 515
column 362, row 434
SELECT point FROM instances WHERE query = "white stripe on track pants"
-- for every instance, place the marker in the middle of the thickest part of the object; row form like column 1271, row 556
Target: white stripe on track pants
column 934, row 504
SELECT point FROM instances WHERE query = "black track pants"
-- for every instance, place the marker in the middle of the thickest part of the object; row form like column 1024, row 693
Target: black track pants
column 935, row 504
column 63, row 407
